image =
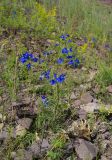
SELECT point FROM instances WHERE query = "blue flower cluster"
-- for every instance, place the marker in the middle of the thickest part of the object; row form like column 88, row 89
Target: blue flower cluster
column 29, row 57
column 74, row 63
column 57, row 79
column 46, row 53
column 67, row 56
column 66, row 51
column 60, row 60
column 45, row 74
column 64, row 36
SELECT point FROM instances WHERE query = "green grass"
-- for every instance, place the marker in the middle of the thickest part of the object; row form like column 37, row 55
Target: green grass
column 85, row 17
column 104, row 76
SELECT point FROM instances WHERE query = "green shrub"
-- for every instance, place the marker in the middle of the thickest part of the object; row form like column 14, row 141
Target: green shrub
column 29, row 16
column 104, row 76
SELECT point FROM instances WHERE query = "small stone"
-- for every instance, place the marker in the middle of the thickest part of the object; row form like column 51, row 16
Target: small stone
column 103, row 158
column 13, row 155
column 20, row 130
column 82, row 114
column 25, row 122
column 109, row 89
column 106, row 135
column 85, row 150
column 86, row 98
column 103, row 146
column 96, row 89
column 90, row 107
column 91, row 76
column 85, row 87
column 84, row 69
column 73, row 96
column 3, row 135
column 77, row 103
column 35, row 149
column 22, row 154
column 45, row 145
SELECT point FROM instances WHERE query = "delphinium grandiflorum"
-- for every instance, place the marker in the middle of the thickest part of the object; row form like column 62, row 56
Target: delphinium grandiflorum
column 27, row 59
column 65, row 55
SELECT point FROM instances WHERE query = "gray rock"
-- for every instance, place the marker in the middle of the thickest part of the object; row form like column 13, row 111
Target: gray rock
column 13, row 155
column 85, row 87
column 82, row 114
column 45, row 145
column 86, row 98
column 3, row 135
column 109, row 89
column 39, row 148
column 23, row 125
column 35, row 149
column 91, row 107
column 25, row 122
column 77, row 103
column 73, row 96
column 91, row 76
column 103, row 158
column 23, row 155
column 104, row 145
column 85, row 150
column 106, row 135
column 20, row 131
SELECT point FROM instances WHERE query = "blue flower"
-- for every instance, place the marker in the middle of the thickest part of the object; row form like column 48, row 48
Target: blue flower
column 94, row 40
column 77, row 61
column 69, row 41
column 44, row 100
column 41, row 61
column 34, row 59
column 57, row 44
column 63, row 37
column 65, row 51
column 58, row 79
column 60, row 60
column 31, row 55
column 45, row 53
column 53, row 82
column 61, row 78
column 47, row 74
column 71, row 62
column 23, row 59
column 69, row 57
column 41, row 77
column 26, row 55
column 74, row 63
column 71, row 49
column 55, row 75
column 28, row 66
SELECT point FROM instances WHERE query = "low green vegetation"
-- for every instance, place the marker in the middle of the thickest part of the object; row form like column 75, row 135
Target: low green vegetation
column 49, row 50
